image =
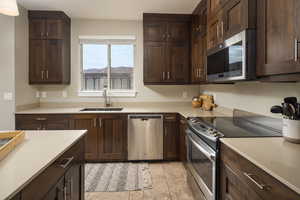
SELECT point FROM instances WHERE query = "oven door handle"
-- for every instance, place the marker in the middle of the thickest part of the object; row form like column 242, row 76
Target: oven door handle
column 210, row 156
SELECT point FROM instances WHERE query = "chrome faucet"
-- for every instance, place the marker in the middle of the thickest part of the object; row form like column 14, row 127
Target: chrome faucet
column 107, row 102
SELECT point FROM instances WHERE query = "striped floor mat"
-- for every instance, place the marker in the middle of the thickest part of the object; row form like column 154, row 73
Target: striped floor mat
column 117, row 177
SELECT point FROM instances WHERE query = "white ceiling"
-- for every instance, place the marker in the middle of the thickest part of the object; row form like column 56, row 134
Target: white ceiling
column 112, row 9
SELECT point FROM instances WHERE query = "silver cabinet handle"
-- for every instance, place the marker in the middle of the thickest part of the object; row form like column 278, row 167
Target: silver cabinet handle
column 251, row 178
column 65, row 162
column 100, row 122
column 95, row 122
column 222, row 28
column 168, row 75
column 163, row 75
column 47, row 74
column 65, row 192
column 218, row 31
column 41, row 119
column 296, row 50
column 43, row 74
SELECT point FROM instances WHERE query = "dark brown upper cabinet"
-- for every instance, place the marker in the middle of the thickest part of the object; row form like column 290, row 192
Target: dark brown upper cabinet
column 49, row 47
column 198, row 44
column 227, row 18
column 215, row 31
column 238, row 15
column 166, row 48
column 213, row 6
column 278, row 38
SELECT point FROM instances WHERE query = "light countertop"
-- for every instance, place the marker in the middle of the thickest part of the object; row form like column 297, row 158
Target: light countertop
column 39, row 150
column 184, row 109
column 275, row 156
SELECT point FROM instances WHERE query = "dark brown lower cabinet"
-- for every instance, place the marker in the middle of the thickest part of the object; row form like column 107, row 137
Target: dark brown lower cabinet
column 182, row 140
column 113, row 138
column 43, row 122
column 90, row 123
column 171, row 137
column 62, row 180
column 242, row 180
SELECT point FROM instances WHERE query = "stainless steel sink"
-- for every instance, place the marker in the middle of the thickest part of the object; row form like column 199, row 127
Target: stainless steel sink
column 101, row 109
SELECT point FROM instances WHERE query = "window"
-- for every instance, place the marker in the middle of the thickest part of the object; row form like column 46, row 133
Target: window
column 108, row 64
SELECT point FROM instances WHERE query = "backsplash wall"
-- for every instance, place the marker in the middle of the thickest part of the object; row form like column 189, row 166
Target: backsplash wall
column 252, row 96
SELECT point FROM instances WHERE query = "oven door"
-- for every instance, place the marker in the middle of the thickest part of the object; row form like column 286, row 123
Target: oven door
column 202, row 164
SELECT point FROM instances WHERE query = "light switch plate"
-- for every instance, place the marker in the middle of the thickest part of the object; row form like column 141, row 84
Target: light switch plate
column 37, row 95
column 64, row 94
column 184, row 94
column 44, row 94
column 8, row 96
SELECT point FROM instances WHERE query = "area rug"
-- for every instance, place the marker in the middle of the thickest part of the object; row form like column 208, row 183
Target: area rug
column 117, row 177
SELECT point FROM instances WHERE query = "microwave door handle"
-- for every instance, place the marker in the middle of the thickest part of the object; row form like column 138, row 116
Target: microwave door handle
column 210, row 156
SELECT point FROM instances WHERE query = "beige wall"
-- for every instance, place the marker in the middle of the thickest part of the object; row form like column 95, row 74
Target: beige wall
column 25, row 94
column 252, row 96
column 113, row 27
column 7, row 81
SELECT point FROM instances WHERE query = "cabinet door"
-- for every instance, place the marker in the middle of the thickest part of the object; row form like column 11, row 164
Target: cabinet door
column 233, row 188
column 171, row 137
column 198, row 71
column 89, row 122
column 54, row 61
column 182, row 140
column 55, row 29
column 178, row 32
column 37, row 61
column 57, row 192
column 278, row 37
column 234, row 17
column 154, row 62
column 213, row 6
column 37, row 29
column 215, row 31
column 113, row 138
column 155, row 31
column 28, row 122
column 57, row 123
column 73, row 183
column 178, row 63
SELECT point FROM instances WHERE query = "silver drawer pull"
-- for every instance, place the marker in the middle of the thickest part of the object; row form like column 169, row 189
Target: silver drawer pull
column 65, row 162
column 41, row 119
column 259, row 185
column 296, row 50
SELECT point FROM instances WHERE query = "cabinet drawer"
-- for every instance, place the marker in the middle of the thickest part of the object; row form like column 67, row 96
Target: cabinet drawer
column 170, row 117
column 266, row 186
column 41, row 185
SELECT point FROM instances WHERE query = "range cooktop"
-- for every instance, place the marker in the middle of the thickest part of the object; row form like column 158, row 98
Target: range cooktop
column 236, row 127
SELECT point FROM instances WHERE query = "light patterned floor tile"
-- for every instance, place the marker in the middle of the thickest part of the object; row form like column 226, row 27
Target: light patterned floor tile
column 169, row 183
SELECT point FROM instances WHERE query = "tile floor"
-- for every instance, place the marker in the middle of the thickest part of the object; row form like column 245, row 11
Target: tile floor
column 169, row 183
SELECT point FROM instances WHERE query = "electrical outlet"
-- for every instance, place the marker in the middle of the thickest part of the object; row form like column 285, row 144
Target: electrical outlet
column 37, row 94
column 184, row 95
column 64, row 94
column 215, row 97
column 8, row 96
column 44, row 94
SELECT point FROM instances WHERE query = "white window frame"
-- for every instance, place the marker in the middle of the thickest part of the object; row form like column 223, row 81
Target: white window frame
column 108, row 40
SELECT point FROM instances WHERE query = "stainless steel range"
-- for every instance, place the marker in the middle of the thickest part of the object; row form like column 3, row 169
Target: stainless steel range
column 203, row 136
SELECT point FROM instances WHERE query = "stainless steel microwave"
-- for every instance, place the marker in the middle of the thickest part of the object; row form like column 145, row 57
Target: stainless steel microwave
column 235, row 60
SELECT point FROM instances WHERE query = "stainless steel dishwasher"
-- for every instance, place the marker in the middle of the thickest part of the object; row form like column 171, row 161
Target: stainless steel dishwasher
column 145, row 137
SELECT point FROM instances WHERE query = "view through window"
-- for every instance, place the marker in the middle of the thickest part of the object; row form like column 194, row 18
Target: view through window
column 107, row 65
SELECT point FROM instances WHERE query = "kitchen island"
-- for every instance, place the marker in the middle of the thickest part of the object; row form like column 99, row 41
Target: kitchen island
column 45, row 160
